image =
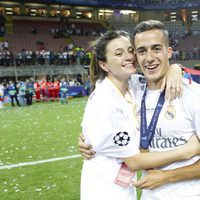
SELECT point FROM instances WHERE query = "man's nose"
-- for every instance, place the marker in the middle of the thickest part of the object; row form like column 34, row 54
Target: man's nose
column 149, row 56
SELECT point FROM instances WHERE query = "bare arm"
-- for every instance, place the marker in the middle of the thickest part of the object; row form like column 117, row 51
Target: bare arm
column 87, row 153
column 149, row 160
column 185, row 173
column 156, row 178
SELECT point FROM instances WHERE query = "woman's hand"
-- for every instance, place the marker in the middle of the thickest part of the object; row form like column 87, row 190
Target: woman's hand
column 173, row 83
column 84, row 149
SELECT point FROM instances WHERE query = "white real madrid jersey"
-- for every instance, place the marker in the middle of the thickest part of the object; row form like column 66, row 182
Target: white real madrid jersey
column 109, row 126
column 176, row 124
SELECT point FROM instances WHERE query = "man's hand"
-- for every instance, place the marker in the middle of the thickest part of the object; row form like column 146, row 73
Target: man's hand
column 153, row 179
column 84, row 149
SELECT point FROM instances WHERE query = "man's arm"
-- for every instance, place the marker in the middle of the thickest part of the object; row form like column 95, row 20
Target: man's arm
column 149, row 160
column 156, row 178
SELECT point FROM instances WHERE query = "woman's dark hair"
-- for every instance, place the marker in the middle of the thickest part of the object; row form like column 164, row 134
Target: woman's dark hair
column 99, row 53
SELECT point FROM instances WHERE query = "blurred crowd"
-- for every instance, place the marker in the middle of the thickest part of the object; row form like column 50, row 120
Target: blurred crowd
column 22, row 92
column 66, row 56
column 193, row 54
column 75, row 55
column 183, row 54
column 67, row 28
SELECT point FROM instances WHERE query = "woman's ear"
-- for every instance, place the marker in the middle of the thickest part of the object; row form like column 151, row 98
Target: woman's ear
column 103, row 66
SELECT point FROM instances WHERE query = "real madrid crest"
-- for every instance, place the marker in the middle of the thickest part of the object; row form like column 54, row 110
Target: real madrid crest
column 170, row 112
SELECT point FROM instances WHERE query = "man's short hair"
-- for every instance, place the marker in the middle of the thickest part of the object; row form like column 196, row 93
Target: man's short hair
column 152, row 25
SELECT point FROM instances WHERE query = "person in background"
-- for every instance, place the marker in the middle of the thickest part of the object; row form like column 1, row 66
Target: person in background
column 49, row 88
column 22, row 89
column 33, row 30
column 29, row 91
column 56, row 89
column 12, row 91
column 43, row 86
column 63, row 91
column 87, row 85
column 1, row 95
column 37, row 90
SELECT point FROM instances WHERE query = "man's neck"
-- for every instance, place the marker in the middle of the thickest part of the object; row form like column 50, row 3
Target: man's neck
column 152, row 85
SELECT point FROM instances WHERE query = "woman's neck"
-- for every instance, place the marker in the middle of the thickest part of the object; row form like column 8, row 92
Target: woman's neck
column 122, row 85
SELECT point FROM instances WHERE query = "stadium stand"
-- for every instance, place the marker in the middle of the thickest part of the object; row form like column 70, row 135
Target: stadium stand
column 121, row 22
column 22, row 38
column 49, row 28
column 175, row 28
column 195, row 28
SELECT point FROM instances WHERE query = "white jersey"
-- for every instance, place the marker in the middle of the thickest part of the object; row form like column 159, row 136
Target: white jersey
column 108, row 124
column 176, row 124
column 1, row 91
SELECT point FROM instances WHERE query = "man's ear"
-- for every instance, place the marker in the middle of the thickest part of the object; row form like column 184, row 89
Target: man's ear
column 170, row 51
column 103, row 66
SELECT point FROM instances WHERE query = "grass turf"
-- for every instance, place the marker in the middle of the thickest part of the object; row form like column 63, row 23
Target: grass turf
column 39, row 132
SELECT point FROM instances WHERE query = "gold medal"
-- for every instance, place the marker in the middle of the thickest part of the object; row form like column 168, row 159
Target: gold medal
column 170, row 112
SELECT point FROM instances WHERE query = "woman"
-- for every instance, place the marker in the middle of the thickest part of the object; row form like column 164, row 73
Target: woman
column 111, row 126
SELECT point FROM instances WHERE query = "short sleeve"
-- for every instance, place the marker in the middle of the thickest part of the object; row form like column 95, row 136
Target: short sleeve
column 193, row 97
column 109, row 130
column 196, row 117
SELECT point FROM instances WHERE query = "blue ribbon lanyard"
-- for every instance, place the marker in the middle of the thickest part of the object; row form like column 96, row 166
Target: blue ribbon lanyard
column 148, row 133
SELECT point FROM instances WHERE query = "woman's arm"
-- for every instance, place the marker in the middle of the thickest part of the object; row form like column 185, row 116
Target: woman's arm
column 156, row 178
column 150, row 160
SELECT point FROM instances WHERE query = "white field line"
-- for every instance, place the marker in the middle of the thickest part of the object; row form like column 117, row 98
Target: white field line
column 38, row 162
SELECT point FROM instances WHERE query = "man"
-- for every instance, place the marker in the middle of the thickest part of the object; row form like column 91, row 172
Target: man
column 177, row 120
column 22, row 88
column 12, row 88
column 29, row 92
column 63, row 90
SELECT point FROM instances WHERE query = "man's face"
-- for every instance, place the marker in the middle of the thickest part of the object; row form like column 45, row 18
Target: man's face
column 153, row 55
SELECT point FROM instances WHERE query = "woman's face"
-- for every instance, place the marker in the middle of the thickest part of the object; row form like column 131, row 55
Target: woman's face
column 120, row 63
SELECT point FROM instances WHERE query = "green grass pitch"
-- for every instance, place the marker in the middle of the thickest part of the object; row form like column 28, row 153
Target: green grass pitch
column 35, row 133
